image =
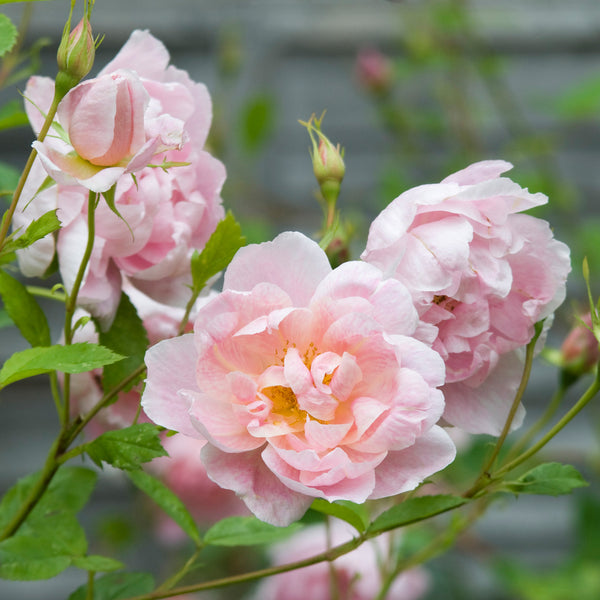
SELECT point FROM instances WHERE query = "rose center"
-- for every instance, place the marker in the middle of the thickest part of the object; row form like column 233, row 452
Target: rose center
column 446, row 302
column 284, row 402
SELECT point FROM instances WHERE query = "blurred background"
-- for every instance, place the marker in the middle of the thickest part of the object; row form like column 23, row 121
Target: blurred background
column 413, row 90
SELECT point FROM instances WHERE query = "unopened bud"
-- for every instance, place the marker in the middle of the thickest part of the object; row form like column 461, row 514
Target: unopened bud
column 327, row 160
column 580, row 351
column 375, row 71
column 76, row 52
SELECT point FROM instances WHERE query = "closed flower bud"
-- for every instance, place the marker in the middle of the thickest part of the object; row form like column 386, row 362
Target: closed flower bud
column 76, row 54
column 328, row 164
column 327, row 160
column 375, row 71
column 580, row 350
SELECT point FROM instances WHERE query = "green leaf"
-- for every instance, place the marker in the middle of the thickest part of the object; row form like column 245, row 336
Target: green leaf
column 12, row 115
column 549, row 479
column 60, row 530
column 221, row 247
column 168, row 501
column 24, row 311
column 76, row 358
column 257, row 121
column 355, row 514
column 35, row 231
column 8, row 34
column 51, row 536
column 28, row 558
column 117, row 586
column 97, row 563
column 128, row 337
column 414, row 510
column 246, row 531
column 126, row 448
column 69, row 490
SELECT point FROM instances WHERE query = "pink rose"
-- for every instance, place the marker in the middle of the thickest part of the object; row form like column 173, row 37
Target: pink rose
column 137, row 107
column 168, row 214
column 104, row 118
column 357, row 574
column 305, row 383
column 481, row 272
column 107, row 132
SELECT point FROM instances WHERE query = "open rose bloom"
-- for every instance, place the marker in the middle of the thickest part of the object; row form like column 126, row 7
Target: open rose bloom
column 139, row 102
column 482, row 273
column 305, row 383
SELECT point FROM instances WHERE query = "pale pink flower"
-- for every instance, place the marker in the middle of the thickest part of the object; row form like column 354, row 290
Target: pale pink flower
column 166, row 215
column 137, row 108
column 105, row 133
column 480, row 271
column 305, row 382
column 183, row 472
column 357, row 574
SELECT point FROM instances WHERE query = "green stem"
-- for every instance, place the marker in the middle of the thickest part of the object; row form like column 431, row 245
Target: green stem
column 188, row 311
column 328, row 555
column 524, row 441
column 42, row 292
column 567, row 418
column 79, row 425
column 484, row 476
column 27, row 169
column 71, row 301
column 90, row 586
column 169, row 583
column 48, row 471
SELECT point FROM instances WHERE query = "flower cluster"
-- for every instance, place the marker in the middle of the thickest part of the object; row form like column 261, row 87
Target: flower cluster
column 299, row 381
column 137, row 113
column 309, row 382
